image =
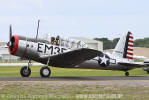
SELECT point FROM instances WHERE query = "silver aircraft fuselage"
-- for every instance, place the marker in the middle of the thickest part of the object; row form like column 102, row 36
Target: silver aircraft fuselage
column 35, row 49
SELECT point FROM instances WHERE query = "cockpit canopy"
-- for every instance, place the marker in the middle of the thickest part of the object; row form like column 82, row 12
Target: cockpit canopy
column 67, row 42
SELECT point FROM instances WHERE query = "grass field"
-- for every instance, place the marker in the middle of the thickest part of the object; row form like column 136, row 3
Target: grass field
column 69, row 90
column 65, row 91
column 60, row 72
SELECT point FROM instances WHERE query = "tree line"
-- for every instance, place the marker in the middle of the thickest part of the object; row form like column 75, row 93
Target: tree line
column 110, row 44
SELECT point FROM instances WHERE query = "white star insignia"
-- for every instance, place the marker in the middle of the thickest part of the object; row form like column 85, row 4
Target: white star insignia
column 104, row 60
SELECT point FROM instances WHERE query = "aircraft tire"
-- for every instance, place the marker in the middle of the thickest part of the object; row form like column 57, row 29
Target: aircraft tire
column 25, row 71
column 45, row 71
column 126, row 73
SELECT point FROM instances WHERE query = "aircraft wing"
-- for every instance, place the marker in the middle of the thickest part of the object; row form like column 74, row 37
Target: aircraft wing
column 71, row 58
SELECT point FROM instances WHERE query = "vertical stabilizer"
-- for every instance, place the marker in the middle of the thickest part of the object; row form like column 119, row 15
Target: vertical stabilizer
column 124, row 47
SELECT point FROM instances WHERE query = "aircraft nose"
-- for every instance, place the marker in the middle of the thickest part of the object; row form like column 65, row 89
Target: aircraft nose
column 13, row 44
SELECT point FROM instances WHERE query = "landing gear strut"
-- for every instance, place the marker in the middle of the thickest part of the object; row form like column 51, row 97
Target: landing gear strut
column 126, row 73
column 45, row 71
column 25, row 70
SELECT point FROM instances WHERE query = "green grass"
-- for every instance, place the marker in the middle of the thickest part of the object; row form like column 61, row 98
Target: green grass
column 63, row 91
column 60, row 72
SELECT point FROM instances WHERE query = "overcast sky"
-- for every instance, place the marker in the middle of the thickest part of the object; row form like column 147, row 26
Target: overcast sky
column 75, row 18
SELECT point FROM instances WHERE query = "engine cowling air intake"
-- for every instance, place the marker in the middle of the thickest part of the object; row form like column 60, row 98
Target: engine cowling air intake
column 104, row 60
column 13, row 44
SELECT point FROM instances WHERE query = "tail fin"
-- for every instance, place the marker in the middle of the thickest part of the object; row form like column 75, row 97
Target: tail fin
column 124, row 47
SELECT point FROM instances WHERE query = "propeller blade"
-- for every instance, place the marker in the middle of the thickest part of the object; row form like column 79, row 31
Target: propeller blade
column 10, row 32
column 10, row 35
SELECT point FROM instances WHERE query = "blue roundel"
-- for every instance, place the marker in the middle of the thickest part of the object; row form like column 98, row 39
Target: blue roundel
column 104, row 60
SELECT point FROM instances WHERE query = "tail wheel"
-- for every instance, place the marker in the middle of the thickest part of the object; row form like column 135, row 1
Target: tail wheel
column 126, row 73
column 25, row 71
column 45, row 72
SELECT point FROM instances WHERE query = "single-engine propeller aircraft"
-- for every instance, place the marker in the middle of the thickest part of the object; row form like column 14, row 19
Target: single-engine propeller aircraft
column 70, row 53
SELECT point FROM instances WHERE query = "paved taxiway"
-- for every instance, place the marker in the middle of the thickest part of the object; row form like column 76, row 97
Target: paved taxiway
column 91, row 78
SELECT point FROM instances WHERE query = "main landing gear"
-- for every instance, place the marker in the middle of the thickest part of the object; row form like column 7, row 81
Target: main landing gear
column 126, row 73
column 25, row 70
column 44, row 71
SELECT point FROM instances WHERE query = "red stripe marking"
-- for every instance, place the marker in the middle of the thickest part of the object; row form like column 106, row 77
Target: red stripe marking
column 130, row 41
column 129, row 57
column 129, row 49
column 130, row 45
column 129, row 53
column 131, row 37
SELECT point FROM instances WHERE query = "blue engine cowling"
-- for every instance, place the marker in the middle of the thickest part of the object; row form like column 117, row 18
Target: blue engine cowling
column 104, row 60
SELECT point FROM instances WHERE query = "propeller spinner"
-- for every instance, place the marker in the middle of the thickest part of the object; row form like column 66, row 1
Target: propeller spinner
column 13, row 42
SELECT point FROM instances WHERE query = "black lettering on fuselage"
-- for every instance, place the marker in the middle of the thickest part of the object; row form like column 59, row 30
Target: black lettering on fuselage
column 57, row 50
column 49, row 48
column 39, row 47
column 63, row 50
